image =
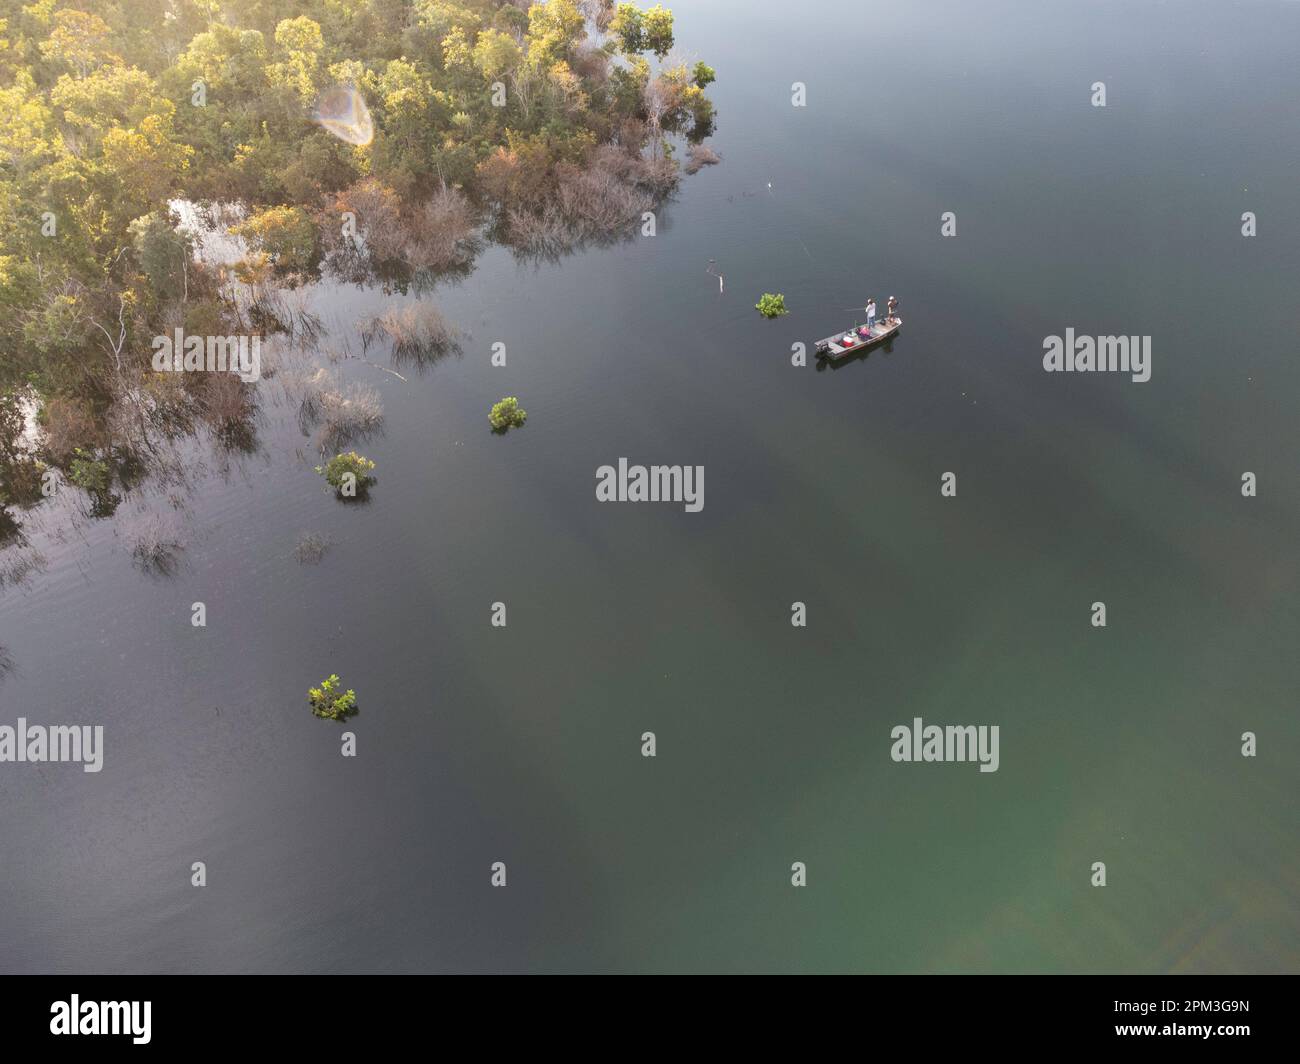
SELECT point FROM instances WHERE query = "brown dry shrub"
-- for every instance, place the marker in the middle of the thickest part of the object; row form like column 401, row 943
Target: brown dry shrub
column 345, row 413
column 699, row 156
column 658, row 176
column 441, row 232
column 225, row 399
column 601, row 200
column 630, row 134
column 498, row 174
column 418, row 332
column 545, row 233
column 519, row 176
column 378, row 210
column 156, row 547
column 70, row 423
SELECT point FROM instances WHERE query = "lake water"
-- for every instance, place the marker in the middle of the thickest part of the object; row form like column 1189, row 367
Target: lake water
column 523, row 745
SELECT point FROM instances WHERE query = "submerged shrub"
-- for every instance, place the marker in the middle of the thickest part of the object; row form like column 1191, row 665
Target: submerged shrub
column 330, row 702
column 381, row 207
column 20, row 482
column 771, row 306
column 311, row 548
column 344, row 413
column 156, row 549
column 599, row 200
column 699, row 156
column 439, row 235
column 69, row 424
column 348, row 473
column 507, row 414
column 225, row 400
column 88, row 473
column 418, row 333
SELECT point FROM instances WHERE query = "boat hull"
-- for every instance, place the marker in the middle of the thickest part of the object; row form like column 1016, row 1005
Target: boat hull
column 833, row 347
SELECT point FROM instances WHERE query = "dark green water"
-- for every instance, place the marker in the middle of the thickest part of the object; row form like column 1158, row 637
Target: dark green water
column 522, row 745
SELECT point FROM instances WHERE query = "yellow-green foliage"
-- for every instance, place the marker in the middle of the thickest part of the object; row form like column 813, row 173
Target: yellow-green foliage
column 330, row 702
column 286, row 235
column 507, row 414
column 341, row 467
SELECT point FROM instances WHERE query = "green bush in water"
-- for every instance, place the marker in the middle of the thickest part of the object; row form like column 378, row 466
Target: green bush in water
column 329, row 702
column 771, row 306
column 88, row 473
column 348, row 473
column 506, row 414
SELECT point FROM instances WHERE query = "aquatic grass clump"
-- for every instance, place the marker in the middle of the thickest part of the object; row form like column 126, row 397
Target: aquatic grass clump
column 507, row 414
column 771, row 306
column 156, row 549
column 330, row 702
column 344, row 413
column 311, row 548
column 418, row 332
column 349, row 474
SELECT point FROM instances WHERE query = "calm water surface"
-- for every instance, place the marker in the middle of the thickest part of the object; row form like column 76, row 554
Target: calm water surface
column 521, row 745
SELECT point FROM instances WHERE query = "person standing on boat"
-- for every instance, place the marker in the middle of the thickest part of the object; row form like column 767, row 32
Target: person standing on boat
column 891, row 310
column 871, row 313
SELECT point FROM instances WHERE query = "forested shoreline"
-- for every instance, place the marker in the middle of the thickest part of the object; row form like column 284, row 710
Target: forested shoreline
column 371, row 140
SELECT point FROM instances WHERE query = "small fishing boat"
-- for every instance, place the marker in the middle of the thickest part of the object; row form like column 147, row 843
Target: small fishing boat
column 850, row 342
